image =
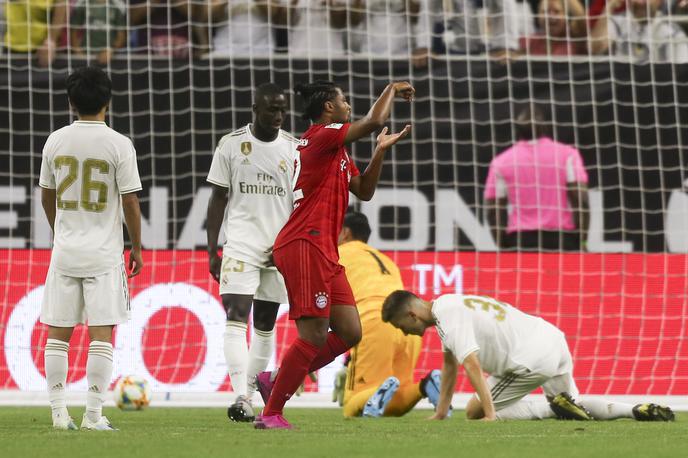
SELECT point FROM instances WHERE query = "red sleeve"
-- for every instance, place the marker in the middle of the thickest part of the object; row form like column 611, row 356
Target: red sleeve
column 331, row 137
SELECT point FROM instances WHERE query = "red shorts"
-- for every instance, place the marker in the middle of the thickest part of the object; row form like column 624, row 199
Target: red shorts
column 314, row 283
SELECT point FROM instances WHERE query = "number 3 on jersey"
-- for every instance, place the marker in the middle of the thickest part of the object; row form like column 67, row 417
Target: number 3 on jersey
column 88, row 184
column 486, row 304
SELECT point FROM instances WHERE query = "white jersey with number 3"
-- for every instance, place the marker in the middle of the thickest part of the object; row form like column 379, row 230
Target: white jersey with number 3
column 506, row 339
column 90, row 166
column 259, row 178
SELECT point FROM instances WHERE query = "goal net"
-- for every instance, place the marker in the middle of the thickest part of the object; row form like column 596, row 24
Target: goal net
column 620, row 297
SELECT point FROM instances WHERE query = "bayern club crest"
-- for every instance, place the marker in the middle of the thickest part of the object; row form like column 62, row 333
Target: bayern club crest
column 321, row 300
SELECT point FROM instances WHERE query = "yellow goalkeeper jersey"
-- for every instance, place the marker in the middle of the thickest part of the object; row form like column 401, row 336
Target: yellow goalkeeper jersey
column 371, row 274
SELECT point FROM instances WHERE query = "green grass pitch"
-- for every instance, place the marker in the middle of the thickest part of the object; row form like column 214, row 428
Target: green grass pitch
column 26, row 432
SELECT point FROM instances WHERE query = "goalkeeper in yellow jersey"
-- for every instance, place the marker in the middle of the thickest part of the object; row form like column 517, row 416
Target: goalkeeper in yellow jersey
column 379, row 379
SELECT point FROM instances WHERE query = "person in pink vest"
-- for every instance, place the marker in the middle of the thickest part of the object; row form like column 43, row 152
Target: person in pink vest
column 536, row 191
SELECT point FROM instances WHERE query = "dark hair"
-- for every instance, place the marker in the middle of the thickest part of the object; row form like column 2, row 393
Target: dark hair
column 314, row 97
column 396, row 303
column 358, row 225
column 89, row 89
column 531, row 123
column 267, row 90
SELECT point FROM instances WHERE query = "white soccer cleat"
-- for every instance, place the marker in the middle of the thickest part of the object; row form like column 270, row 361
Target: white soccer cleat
column 241, row 410
column 103, row 424
column 64, row 424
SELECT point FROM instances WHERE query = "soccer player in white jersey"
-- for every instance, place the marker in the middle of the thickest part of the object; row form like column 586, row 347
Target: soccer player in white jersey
column 89, row 178
column 519, row 352
column 251, row 175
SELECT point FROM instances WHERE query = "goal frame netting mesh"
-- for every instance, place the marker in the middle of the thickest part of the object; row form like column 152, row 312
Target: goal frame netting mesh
column 622, row 302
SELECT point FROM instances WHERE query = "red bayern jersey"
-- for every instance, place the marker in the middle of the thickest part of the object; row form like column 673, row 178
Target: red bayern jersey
column 321, row 193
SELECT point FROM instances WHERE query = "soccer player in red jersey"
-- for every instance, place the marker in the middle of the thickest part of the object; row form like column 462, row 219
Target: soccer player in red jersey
column 305, row 251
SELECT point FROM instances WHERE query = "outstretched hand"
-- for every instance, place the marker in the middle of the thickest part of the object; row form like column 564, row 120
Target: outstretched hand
column 385, row 140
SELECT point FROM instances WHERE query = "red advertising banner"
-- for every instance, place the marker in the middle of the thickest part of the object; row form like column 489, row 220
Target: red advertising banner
column 625, row 316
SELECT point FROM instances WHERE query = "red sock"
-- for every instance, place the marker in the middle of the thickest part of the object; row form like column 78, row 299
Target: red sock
column 294, row 369
column 334, row 347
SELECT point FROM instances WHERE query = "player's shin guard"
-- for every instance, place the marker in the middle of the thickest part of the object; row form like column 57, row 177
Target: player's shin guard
column 526, row 410
column 262, row 347
column 295, row 363
column 56, row 367
column 236, row 355
column 334, row 347
column 98, row 374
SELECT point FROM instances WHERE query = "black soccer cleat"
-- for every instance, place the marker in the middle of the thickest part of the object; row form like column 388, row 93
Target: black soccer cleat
column 653, row 412
column 566, row 408
column 241, row 411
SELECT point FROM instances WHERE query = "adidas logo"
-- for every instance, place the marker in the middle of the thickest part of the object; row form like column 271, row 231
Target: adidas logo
column 56, row 387
column 94, row 389
column 246, row 162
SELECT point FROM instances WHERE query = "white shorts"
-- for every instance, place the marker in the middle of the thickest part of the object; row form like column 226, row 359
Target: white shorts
column 239, row 277
column 98, row 301
column 510, row 388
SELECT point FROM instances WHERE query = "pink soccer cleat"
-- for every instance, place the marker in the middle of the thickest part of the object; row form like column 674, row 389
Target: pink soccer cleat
column 272, row 422
column 265, row 381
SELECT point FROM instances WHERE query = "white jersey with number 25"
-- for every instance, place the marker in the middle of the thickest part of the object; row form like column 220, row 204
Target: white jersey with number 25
column 259, row 178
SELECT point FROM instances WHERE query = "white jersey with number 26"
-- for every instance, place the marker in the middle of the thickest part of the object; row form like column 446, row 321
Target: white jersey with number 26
column 506, row 339
column 89, row 165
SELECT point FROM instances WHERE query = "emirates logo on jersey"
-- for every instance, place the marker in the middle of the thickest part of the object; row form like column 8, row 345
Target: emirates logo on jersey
column 321, row 299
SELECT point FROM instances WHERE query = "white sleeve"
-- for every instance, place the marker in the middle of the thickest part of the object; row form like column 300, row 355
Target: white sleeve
column 424, row 26
column 47, row 177
column 455, row 328
column 464, row 342
column 678, row 46
column 127, row 173
column 220, row 170
column 500, row 187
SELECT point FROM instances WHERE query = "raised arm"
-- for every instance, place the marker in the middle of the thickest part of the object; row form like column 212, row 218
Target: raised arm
column 363, row 186
column 475, row 374
column 132, row 217
column 447, row 384
column 216, row 212
column 379, row 112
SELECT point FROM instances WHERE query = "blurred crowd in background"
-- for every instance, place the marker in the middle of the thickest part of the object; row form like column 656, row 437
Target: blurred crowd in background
column 639, row 30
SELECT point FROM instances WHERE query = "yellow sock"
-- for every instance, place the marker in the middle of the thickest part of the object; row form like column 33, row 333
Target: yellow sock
column 406, row 397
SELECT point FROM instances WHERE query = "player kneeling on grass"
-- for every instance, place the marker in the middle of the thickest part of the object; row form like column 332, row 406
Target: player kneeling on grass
column 520, row 352
column 89, row 178
column 379, row 376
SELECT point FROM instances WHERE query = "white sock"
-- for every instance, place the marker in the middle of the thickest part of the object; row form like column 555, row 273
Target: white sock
column 526, row 410
column 262, row 347
column 605, row 410
column 56, row 367
column 99, row 375
column 236, row 355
